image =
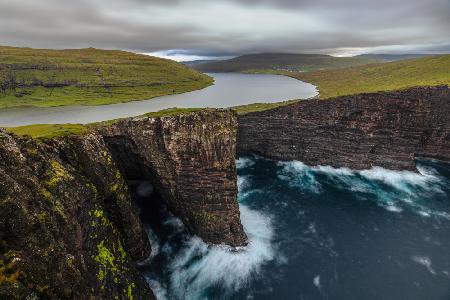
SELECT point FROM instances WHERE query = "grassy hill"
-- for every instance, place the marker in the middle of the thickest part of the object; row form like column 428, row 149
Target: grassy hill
column 266, row 62
column 426, row 71
column 39, row 77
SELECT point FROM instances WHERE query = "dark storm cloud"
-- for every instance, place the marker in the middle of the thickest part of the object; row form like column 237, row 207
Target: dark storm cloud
column 227, row 27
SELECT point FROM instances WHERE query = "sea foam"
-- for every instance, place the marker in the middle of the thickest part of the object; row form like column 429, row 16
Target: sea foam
column 198, row 266
column 393, row 190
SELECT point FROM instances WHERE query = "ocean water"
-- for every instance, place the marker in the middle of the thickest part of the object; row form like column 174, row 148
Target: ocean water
column 316, row 233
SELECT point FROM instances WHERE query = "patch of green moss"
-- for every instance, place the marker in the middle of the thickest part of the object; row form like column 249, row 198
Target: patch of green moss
column 111, row 259
column 92, row 187
column 57, row 174
column 70, row 261
column 32, row 151
column 43, row 217
column 101, row 218
column 111, row 255
column 54, row 201
column 206, row 217
column 131, row 286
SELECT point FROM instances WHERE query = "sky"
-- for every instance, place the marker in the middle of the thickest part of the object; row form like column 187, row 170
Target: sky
column 199, row 29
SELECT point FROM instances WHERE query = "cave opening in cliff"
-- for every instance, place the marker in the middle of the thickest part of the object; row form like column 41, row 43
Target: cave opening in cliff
column 140, row 180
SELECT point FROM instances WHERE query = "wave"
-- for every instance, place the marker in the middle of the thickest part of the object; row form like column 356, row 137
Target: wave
column 244, row 162
column 198, row 267
column 393, row 190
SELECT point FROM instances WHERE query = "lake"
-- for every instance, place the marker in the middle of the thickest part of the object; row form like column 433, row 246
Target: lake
column 229, row 89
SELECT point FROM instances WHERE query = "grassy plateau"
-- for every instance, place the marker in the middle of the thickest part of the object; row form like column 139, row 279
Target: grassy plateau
column 39, row 77
column 48, row 131
column 426, row 71
column 388, row 76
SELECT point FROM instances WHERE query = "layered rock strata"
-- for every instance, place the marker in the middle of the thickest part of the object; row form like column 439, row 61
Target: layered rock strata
column 68, row 225
column 389, row 129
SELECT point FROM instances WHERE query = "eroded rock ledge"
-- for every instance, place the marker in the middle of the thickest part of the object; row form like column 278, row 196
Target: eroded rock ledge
column 68, row 225
column 190, row 159
column 388, row 129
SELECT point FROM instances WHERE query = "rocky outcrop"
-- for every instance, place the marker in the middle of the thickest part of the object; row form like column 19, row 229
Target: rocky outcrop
column 68, row 225
column 190, row 160
column 388, row 129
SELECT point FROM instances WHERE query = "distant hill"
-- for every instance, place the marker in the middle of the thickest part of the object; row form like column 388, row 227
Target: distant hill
column 194, row 63
column 281, row 62
column 38, row 77
column 425, row 71
column 392, row 57
column 274, row 62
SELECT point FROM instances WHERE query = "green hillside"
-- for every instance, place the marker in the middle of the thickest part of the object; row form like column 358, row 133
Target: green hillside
column 266, row 62
column 427, row 71
column 38, row 77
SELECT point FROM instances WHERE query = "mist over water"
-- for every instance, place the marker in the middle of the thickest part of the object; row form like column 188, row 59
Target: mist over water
column 317, row 233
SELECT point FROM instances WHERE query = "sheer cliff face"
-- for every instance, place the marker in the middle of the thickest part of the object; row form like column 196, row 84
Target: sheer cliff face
column 380, row 129
column 68, row 226
column 190, row 160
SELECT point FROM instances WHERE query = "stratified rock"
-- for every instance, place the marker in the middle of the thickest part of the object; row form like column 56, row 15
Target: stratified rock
column 68, row 226
column 190, row 160
column 388, row 129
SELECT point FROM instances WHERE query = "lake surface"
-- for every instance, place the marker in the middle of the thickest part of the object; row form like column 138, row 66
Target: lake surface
column 229, row 89
column 317, row 233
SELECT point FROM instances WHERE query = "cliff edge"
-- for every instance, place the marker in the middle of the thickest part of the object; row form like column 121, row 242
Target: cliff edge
column 386, row 129
column 69, row 226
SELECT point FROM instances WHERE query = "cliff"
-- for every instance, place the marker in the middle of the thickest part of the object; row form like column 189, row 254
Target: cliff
column 69, row 226
column 190, row 160
column 388, row 129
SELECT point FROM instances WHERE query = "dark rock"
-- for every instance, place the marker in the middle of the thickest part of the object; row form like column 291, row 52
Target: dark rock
column 388, row 129
column 190, row 160
column 68, row 225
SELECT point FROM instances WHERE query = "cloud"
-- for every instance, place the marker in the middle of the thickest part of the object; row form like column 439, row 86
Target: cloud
column 228, row 27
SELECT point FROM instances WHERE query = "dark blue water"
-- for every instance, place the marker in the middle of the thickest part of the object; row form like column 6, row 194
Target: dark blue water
column 318, row 233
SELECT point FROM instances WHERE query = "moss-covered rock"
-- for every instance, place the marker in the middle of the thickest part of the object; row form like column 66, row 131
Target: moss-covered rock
column 65, row 233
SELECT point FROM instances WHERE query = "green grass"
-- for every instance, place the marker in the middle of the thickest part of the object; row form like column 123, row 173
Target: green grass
column 173, row 112
column 47, row 131
column 428, row 71
column 39, row 77
column 254, row 107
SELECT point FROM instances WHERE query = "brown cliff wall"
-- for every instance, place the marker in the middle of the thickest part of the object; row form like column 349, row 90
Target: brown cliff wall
column 377, row 129
column 68, row 226
column 190, row 159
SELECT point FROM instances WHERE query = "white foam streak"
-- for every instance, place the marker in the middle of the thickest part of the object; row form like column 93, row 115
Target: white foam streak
column 244, row 162
column 401, row 180
column 424, row 261
column 407, row 189
column 199, row 266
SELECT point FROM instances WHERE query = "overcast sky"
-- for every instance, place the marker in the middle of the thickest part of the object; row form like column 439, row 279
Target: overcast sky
column 201, row 28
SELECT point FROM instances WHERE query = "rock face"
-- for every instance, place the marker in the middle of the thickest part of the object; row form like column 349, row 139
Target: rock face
column 190, row 160
column 68, row 225
column 379, row 129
